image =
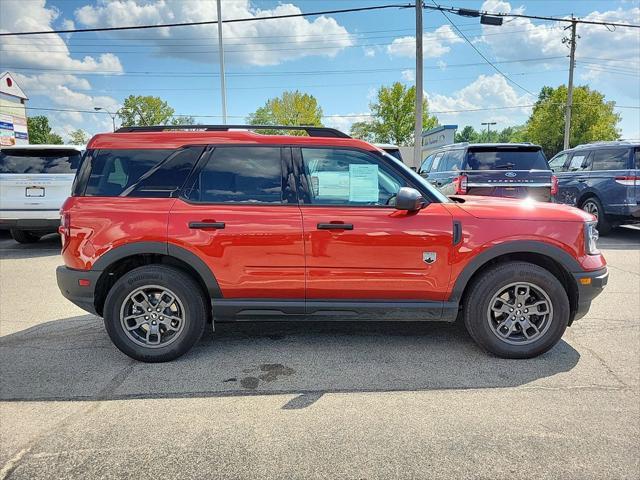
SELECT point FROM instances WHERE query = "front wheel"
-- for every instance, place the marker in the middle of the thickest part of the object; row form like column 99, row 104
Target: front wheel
column 516, row 310
column 593, row 206
column 155, row 313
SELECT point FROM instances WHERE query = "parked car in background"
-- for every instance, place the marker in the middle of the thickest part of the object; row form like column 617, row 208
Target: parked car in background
column 514, row 170
column 35, row 180
column 168, row 230
column 392, row 150
column 603, row 179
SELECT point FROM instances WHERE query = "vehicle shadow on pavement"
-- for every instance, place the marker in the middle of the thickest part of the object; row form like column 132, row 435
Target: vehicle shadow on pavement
column 73, row 360
column 623, row 238
column 45, row 247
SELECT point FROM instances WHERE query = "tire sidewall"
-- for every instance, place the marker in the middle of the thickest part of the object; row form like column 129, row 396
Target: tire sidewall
column 494, row 281
column 603, row 225
column 187, row 291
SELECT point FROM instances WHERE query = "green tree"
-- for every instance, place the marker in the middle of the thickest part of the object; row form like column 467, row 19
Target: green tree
column 78, row 137
column 291, row 108
column 141, row 110
column 467, row 134
column 40, row 131
column 393, row 117
column 592, row 118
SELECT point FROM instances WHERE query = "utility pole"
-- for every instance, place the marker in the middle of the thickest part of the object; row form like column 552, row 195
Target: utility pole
column 488, row 124
column 221, row 61
column 572, row 64
column 417, row 134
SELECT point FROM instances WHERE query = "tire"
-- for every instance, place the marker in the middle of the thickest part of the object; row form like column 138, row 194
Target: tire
column 485, row 329
column 173, row 338
column 24, row 236
column 592, row 205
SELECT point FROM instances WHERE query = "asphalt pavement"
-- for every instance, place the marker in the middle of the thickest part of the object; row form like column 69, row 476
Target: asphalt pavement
column 322, row 400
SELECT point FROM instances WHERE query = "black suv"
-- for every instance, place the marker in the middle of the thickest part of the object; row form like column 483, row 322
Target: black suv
column 603, row 179
column 515, row 170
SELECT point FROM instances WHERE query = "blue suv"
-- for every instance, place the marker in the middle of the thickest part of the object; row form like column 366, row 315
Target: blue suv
column 603, row 179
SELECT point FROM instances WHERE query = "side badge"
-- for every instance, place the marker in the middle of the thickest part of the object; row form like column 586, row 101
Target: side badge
column 429, row 257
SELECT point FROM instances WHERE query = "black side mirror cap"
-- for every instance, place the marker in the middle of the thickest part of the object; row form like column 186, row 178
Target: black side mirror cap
column 409, row 199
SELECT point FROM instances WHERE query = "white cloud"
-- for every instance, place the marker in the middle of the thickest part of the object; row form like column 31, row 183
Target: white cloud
column 253, row 43
column 434, row 44
column 43, row 51
column 369, row 52
column 344, row 122
column 409, row 75
column 483, row 98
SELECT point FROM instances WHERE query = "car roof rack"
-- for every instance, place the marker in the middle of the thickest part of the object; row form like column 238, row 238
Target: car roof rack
column 311, row 130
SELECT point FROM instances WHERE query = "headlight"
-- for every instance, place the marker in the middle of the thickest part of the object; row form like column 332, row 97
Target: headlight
column 591, row 238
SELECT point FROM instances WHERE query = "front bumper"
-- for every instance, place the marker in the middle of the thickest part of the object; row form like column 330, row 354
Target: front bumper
column 590, row 285
column 81, row 295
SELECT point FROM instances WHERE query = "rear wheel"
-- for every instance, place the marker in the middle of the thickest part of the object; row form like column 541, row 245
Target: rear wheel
column 516, row 310
column 24, row 236
column 155, row 313
column 593, row 206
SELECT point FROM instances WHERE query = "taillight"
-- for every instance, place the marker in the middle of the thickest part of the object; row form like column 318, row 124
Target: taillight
column 628, row 180
column 460, row 184
column 554, row 185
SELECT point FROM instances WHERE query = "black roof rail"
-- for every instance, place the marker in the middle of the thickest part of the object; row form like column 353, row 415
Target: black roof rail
column 311, row 130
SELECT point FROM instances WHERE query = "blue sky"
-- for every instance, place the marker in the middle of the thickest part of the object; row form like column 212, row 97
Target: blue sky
column 341, row 59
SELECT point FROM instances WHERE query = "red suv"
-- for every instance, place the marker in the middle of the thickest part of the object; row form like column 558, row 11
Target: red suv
column 167, row 231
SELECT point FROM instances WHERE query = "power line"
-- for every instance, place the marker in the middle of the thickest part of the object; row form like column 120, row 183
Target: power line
column 481, row 54
column 209, row 22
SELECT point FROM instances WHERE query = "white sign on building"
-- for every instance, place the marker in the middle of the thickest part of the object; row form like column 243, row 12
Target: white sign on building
column 13, row 113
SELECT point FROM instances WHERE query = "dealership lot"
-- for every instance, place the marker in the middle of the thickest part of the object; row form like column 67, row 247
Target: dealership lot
column 320, row 400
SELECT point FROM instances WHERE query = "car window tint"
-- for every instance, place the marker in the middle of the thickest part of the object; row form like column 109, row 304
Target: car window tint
column 451, row 161
column 39, row 161
column 610, row 159
column 167, row 177
column 506, row 158
column 113, row 171
column 240, row 175
column 579, row 162
column 348, row 177
column 557, row 163
column 436, row 162
column 638, row 158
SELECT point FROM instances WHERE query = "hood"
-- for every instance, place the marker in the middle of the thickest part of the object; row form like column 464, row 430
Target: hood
column 514, row 209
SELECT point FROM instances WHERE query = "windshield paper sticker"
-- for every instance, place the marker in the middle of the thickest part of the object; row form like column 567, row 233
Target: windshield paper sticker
column 363, row 183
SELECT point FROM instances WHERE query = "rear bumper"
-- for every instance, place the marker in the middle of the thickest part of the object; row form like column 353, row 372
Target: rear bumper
column 69, row 285
column 590, row 285
column 47, row 225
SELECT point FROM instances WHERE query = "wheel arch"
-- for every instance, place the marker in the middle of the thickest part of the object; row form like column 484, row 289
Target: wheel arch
column 119, row 261
column 552, row 258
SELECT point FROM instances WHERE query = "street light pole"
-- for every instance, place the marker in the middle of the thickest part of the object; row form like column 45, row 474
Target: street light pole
column 112, row 115
column 221, row 61
column 417, row 134
column 572, row 64
column 488, row 124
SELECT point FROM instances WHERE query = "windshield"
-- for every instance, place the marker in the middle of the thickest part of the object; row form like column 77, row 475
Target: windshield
column 419, row 180
column 39, row 161
column 506, row 159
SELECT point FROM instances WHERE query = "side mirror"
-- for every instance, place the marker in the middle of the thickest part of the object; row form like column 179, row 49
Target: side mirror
column 409, row 199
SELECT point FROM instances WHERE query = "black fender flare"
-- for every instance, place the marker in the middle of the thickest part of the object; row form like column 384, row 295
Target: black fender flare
column 565, row 260
column 168, row 250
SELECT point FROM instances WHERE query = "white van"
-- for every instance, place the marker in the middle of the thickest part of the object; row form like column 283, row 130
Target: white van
column 35, row 180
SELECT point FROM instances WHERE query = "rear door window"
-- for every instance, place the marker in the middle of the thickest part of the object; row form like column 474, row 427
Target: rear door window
column 240, row 175
column 139, row 173
column 491, row 158
column 580, row 162
column 451, row 161
column 39, row 161
column 610, row 159
column 436, row 162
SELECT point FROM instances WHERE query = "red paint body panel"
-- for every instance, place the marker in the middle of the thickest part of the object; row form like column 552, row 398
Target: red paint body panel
column 381, row 258
column 259, row 253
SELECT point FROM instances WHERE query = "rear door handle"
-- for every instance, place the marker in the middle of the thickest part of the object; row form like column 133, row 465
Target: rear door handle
column 207, row 225
column 335, row 226
column 582, row 180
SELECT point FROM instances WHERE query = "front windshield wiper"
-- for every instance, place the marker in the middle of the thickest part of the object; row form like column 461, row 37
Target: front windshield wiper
column 505, row 166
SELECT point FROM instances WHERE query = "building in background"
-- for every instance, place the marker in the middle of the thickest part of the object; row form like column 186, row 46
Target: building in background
column 13, row 112
column 437, row 137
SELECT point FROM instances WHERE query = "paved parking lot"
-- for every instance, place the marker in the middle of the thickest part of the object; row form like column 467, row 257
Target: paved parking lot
column 320, row 401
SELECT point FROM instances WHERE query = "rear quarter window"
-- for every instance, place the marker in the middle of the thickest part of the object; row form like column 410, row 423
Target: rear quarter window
column 610, row 159
column 506, row 159
column 154, row 173
column 33, row 161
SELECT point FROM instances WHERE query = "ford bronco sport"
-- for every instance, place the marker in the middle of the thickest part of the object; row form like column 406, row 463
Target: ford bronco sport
column 171, row 228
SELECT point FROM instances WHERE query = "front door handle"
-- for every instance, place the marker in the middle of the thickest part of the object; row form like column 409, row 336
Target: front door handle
column 582, row 180
column 335, row 226
column 207, row 225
